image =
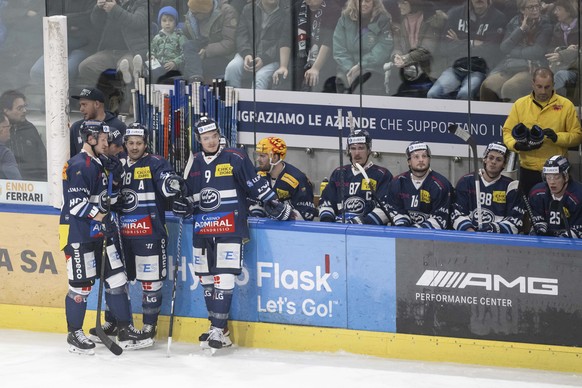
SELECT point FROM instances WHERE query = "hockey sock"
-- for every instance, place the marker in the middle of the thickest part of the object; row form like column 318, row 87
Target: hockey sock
column 222, row 299
column 118, row 302
column 151, row 302
column 75, row 307
column 208, row 286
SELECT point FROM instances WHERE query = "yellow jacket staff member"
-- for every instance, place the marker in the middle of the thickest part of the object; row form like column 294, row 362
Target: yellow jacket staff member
column 551, row 112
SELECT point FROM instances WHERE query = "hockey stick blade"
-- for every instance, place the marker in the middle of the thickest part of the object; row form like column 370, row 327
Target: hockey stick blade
column 462, row 134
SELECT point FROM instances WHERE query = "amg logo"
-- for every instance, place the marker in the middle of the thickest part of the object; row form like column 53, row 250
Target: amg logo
column 491, row 282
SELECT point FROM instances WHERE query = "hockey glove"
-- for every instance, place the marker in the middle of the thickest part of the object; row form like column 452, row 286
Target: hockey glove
column 357, row 220
column 182, row 207
column 112, row 165
column 550, row 134
column 539, row 229
column 175, row 184
column 490, row 227
column 402, row 221
column 326, row 217
column 276, row 210
column 536, row 137
column 109, row 226
column 520, row 133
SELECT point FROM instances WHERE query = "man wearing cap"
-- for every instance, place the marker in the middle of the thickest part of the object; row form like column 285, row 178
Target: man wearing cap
column 419, row 197
column 92, row 107
column 501, row 206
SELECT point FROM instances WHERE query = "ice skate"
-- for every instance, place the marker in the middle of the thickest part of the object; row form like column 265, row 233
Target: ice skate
column 130, row 338
column 203, row 338
column 217, row 339
column 151, row 330
column 80, row 344
column 109, row 328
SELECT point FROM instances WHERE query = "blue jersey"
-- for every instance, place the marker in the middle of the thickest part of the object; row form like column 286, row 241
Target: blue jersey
column 501, row 204
column 84, row 196
column 291, row 186
column 143, row 197
column 425, row 207
column 564, row 215
column 359, row 196
column 218, row 186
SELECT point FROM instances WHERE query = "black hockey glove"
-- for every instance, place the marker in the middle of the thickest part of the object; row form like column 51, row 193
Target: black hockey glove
column 403, row 221
column 520, row 133
column 281, row 211
column 490, row 227
column 109, row 226
column 536, row 137
column 182, row 207
column 564, row 233
column 112, row 165
column 175, row 184
column 358, row 220
column 539, row 229
column 526, row 147
column 550, row 134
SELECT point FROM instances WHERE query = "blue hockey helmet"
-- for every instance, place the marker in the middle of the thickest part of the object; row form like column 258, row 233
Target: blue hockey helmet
column 92, row 128
column 557, row 164
column 204, row 125
column 136, row 129
column 417, row 146
column 496, row 146
column 360, row 136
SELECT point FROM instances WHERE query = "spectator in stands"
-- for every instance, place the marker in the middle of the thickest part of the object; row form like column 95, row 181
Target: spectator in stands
column 270, row 33
column 166, row 47
column 374, row 44
column 526, row 41
column 8, row 165
column 25, row 141
column 419, row 197
column 80, row 37
column 124, row 38
column 540, row 125
column 555, row 202
column 210, row 29
column 92, row 107
column 487, row 24
column 563, row 58
column 417, row 57
column 314, row 23
column 501, row 203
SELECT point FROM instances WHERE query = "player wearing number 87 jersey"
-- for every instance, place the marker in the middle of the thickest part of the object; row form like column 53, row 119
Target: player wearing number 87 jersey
column 419, row 197
column 502, row 207
column 358, row 197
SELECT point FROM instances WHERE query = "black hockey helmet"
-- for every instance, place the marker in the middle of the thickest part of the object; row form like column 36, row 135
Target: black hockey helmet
column 136, row 129
column 360, row 136
column 417, row 146
column 557, row 164
column 204, row 125
column 496, row 146
column 92, row 128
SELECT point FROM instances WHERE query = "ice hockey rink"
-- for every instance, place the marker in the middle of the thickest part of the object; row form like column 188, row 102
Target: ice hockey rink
column 32, row 359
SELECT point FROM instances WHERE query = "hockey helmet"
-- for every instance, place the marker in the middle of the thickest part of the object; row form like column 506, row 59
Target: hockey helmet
column 272, row 145
column 557, row 164
column 496, row 146
column 360, row 136
column 417, row 146
column 136, row 129
column 93, row 128
column 204, row 125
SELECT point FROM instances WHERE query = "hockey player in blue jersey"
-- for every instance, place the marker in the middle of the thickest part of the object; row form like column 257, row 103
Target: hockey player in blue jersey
column 420, row 197
column 358, row 201
column 290, row 184
column 556, row 202
column 85, row 218
column 502, row 207
column 147, row 181
column 218, row 181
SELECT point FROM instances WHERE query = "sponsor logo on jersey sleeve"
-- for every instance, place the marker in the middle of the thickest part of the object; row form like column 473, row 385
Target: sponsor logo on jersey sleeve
column 142, row 173
column 371, row 186
column 290, row 180
column 136, row 225
column 214, row 223
column 95, row 231
column 499, row 196
column 424, row 196
column 224, row 169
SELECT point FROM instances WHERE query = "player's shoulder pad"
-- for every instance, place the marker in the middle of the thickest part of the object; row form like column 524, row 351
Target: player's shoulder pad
column 235, row 152
column 440, row 180
column 402, row 175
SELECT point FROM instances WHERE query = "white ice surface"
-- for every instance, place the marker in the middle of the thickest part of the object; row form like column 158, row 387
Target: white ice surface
column 30, row 359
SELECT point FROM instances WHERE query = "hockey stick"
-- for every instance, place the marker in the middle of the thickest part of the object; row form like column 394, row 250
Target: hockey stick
column 529, row 213
column 175, row 281
column 557, row 206
column 108, row 342
column 340, row 128
column 467, row 138
column 372, row 190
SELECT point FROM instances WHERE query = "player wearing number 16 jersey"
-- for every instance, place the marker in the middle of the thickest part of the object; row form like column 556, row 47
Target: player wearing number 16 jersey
column 502, row 208
column 420, row 197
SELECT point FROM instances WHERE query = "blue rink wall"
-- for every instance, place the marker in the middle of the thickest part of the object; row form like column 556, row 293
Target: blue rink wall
column 395, row 280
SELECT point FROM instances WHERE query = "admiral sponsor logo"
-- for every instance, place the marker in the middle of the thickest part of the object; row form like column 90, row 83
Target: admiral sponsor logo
column 355, row 205
column 490, row 282
column 214, row 223
column 22, row 191
column 209, row 199
column 136, row 225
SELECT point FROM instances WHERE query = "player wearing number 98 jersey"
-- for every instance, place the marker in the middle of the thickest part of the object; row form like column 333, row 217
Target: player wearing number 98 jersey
column 420, row 197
